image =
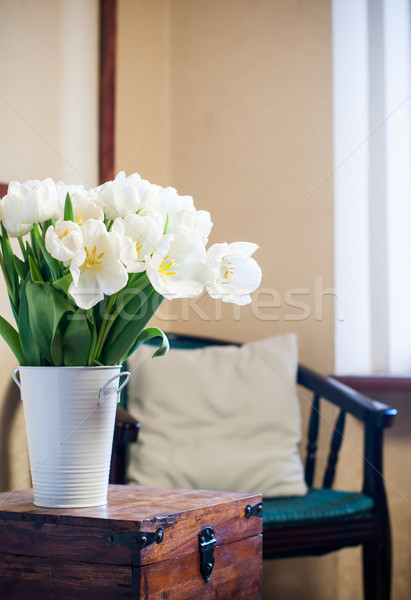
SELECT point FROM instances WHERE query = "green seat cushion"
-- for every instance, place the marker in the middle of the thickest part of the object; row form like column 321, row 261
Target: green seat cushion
column 315, row 506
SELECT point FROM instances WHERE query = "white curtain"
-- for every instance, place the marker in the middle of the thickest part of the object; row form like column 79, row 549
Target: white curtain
column 372, row 178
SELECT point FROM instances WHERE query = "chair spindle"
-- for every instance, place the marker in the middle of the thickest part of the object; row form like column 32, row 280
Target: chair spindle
column 312, row 441
column 335, row 447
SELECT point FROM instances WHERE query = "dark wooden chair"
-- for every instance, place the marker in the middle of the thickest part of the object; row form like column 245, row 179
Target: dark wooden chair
column 325, row 520
column 125, row 433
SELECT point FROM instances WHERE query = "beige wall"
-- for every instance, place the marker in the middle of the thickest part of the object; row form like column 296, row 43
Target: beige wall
column 141, row 99
column 231, row 103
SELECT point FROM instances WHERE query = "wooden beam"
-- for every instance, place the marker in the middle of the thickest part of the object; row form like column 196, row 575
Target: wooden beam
column 107, row 89
column 367, row 384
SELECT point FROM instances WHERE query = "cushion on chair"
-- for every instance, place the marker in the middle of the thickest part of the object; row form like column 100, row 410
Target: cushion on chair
column 317, row 505
column 218, row 417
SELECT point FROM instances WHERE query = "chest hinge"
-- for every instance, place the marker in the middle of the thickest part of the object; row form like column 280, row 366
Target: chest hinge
column 253, row 511
column 133, row 540
column 207, row 541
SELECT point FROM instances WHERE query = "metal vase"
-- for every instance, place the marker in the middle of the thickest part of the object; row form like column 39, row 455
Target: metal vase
column 70, row 414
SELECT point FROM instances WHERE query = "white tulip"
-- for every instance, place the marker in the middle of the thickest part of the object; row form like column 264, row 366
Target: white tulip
column 145, row 234
column 97, row 269
column 85, row 208
column 176, row 269
column 233, row 274
column 136, row 195
column 12, row 218
column 85, row 202
column 163, row 204
column 124, row 195
column 28, row 203
column 179, row 213
column 167, row 203
column 197, row 222
column 64, row 241
column 105, row 194
column 75, row 191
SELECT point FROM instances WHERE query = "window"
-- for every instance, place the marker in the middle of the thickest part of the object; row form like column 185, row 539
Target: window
column 372, row 160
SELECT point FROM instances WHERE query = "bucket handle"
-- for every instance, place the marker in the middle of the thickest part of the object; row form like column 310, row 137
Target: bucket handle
column 125, row 374
column 15, row 378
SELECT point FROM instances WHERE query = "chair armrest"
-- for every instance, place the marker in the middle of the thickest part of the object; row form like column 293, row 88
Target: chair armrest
column 367, row 410
column 375, row 416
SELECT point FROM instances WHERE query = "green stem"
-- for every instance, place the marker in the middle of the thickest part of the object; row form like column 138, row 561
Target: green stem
column 35, row 247
column 104, row 327
column 22, row 248
column 110, row 315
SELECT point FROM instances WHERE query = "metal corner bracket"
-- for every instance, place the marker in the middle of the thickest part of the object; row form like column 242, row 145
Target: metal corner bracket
column 134, row 540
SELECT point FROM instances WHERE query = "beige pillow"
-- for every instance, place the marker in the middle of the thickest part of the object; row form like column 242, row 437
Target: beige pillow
column 219, row 418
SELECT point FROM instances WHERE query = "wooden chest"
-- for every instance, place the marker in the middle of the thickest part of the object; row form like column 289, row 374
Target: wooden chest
column 145, row 543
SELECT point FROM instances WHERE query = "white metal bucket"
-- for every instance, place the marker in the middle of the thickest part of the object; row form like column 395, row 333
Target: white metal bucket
column 70, row 415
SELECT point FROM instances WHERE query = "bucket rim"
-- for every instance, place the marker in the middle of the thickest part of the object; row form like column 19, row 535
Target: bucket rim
column 52, row 367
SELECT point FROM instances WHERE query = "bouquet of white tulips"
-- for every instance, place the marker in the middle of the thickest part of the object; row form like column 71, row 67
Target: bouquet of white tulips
column 91, row 267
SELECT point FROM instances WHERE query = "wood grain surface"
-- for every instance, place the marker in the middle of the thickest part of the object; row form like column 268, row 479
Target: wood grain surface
column 61, row 553
column 76, row 535
column 26, row 577
column 236, row 575
column 126, row 504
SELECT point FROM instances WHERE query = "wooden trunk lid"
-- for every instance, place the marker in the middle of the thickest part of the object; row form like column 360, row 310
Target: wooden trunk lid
column 138, row 526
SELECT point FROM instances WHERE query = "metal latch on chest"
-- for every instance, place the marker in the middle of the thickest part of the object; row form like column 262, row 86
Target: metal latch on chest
column 207, row 541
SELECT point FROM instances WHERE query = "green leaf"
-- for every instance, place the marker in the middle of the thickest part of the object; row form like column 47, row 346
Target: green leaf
column 99, row 310
column 35, row 250
column 35, row 270
column 77, row 339
column 52, row 263
column 69, row 210
column 28, row 342
column 148, row 334
column 46, row 224
column 63, row 283
column 11, row 337
column 132, row 304
column 21, row 267
column 6, row 277
column 123, row 335
column 47, row 308
column 114, row 310
column 8, row 257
